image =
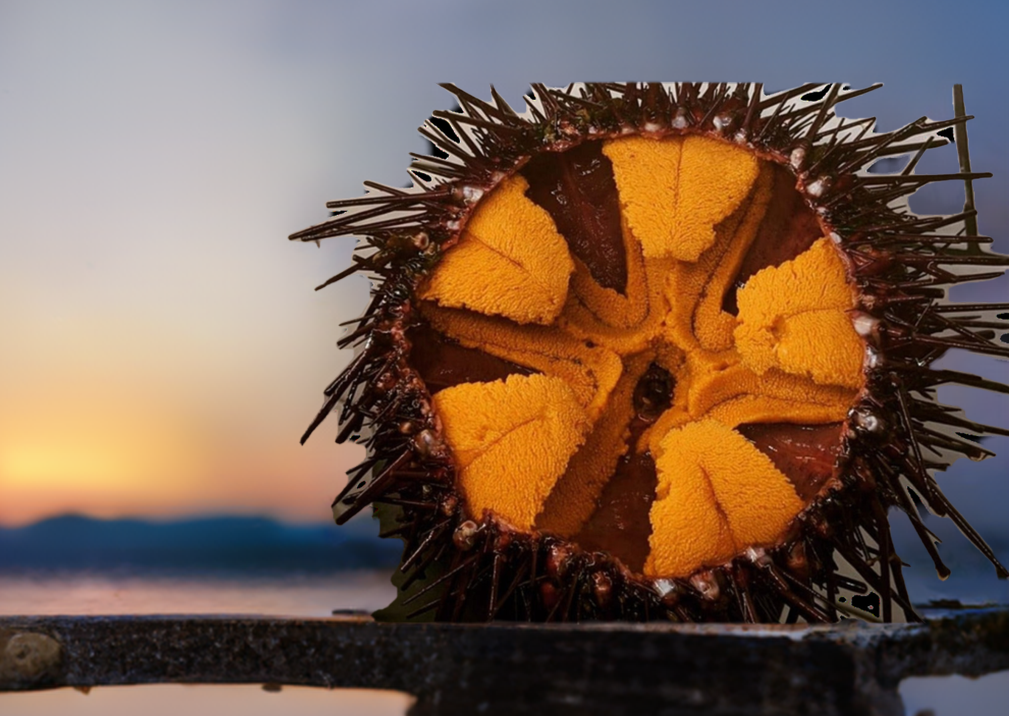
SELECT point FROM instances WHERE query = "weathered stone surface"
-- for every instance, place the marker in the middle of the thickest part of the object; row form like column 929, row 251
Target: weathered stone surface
column 28, row 659
column 586, row 669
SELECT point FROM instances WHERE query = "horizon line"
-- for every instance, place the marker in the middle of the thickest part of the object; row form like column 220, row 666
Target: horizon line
column 172, row 519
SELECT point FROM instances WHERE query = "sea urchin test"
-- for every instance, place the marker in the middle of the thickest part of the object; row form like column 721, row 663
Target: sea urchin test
column 657, row 352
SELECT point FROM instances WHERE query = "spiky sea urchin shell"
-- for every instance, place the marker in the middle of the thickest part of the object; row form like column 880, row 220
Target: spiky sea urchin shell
column 463, row 566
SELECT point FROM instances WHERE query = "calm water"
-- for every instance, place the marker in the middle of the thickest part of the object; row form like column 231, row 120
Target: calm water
column 93, row 594
column 98, row 594
column 295, row 596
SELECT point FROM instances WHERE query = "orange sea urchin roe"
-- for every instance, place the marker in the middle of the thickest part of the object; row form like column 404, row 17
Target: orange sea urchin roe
column 793, row 317
column 674, row 192
column 512, row 440
column 540, row 450
column 717, row 494
column 509, row 262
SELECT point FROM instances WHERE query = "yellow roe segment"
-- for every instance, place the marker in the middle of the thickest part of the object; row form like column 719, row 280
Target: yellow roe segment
column 605, row 305
column 578, row 320
column 714, row 385
column 576, row 495
column 696, row 290
column 711, row 324
column 717, row 494
column 793, row 317
column 512, row 440
column 674, row 191
column 646, row 172
column 590, row 372
column 510, row 260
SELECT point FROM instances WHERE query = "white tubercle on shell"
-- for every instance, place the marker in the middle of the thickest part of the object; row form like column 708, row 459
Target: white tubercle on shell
column 797, row 157
column 872, row 358
column 864, row 324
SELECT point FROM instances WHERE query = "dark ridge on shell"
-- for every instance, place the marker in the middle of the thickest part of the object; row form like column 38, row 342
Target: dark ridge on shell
column 620, row 524
column 901, row 262
column 806, row 454
column 578, row 190
column 442, row 363
column 789, row 228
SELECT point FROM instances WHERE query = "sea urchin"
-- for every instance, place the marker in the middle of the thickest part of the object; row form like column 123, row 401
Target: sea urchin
column 658, row 351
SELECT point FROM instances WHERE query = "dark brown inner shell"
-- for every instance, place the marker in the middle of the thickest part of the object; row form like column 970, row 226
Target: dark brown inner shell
column 443, row 363
column 577, row 188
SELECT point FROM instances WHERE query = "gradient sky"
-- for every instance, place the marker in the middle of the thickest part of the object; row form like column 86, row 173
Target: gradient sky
column 161, row 348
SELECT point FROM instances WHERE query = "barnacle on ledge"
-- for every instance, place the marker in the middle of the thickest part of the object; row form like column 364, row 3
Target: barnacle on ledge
column 657, row 351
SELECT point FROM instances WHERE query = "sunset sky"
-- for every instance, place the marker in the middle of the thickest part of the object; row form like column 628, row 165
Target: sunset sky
column 161, row 347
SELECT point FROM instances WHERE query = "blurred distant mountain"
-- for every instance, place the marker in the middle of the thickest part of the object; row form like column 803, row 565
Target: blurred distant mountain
column 252, row 547
column 221, row 546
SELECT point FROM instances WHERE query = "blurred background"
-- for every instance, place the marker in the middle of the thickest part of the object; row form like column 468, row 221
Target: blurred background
column 161, row 347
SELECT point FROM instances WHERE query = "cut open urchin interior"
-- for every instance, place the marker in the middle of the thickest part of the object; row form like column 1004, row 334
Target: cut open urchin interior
column 658, row 351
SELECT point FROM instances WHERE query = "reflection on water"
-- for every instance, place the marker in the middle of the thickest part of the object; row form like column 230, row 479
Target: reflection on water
column 956, row 695
column 76, row 593
column 173, row 699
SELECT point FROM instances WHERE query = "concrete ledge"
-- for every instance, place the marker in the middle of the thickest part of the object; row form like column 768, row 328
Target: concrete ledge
column 588, row 669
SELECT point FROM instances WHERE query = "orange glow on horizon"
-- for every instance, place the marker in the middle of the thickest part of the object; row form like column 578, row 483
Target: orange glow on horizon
column 300, row 492
column 129, row 459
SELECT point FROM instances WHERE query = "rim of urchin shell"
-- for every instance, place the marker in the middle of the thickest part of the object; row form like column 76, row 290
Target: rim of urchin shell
column 897, row 434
